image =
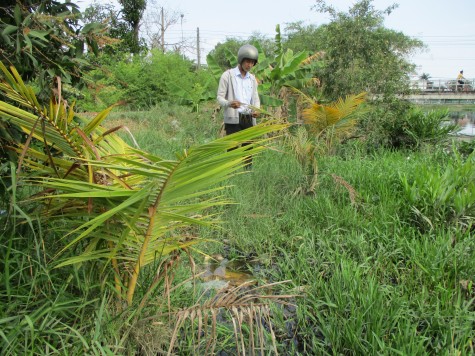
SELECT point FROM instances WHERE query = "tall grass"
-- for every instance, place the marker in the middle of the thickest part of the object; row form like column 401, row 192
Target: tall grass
column 167, row 128
column 47, row 311
column 371, row 281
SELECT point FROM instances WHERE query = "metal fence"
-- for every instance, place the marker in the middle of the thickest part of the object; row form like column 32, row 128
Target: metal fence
column 443, row 85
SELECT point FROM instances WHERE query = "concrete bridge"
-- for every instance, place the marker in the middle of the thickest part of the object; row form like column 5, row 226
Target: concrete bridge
column 442, row 98
column 442, row 91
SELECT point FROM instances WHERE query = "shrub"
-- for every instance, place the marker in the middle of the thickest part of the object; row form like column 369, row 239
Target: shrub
column 382, row 127
column 142, row 81
column 401, row 125
column 427, row 127
column 442, row 198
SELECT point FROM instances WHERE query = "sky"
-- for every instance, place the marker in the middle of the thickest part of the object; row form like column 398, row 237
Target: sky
column 446, row 27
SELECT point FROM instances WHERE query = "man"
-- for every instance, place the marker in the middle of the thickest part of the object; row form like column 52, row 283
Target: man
column 237, row 91
column 460, row 79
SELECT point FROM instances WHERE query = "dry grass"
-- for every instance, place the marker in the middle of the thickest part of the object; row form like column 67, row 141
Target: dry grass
column 351, row 191
column 132, row 124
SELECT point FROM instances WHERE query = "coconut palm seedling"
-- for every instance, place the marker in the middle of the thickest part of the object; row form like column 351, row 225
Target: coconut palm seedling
column 332, row 123
column 323, row 126
column 113, row 205
column 304, row 150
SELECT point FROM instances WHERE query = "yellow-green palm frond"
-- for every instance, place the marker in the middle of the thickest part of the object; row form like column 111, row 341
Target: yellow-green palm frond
column 340, row 116
column 314, row 57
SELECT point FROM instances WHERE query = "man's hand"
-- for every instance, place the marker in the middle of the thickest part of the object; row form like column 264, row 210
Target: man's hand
column 256, row 114
column 235, row 104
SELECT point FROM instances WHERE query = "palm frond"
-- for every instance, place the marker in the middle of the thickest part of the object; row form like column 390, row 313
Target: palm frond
column 248, row 315
column 123, row 206
column 340, row 116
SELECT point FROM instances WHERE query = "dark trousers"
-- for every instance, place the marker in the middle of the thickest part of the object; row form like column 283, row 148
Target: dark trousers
column 233, row 128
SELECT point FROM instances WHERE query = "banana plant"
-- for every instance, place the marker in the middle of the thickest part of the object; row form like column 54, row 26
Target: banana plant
column 116, row 206
column 194, row 96
column 273, row 73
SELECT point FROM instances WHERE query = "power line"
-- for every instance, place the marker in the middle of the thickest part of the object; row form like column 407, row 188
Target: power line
column 209, row 38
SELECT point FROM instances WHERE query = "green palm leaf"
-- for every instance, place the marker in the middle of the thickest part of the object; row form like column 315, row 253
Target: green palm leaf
column 122, row 207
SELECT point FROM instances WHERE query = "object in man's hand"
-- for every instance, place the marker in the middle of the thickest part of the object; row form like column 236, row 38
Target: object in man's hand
column 245, row 121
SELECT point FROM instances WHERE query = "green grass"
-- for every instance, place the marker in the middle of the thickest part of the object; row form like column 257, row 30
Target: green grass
column 167, row 129
column 369, row 280
column 372, row 282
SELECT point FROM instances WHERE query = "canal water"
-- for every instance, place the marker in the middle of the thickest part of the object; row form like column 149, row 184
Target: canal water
column 466, row 121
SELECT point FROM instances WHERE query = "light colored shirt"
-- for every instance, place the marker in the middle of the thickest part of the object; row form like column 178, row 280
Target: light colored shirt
column 227, row 93
column 243, row 90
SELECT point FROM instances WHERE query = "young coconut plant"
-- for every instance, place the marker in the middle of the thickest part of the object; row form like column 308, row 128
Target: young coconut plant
column 323, row 126
column 114, row 205
column 332, row 123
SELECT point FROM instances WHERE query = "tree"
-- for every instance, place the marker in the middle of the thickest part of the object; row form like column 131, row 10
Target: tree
column 122, row 25
column 363, row 55
column 424, row 76
column 132, row 13
column 106, row 14
column 426, row 84
column 157, row 21
column 299, row 37
column 44, row 40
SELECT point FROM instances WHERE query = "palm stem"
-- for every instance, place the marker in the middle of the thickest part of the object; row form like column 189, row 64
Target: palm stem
column 143, row 250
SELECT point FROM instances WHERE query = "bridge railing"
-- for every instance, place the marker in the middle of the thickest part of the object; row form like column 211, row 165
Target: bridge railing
column 443, row 85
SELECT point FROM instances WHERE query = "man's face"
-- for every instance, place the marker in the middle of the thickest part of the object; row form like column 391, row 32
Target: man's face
column 247, row 64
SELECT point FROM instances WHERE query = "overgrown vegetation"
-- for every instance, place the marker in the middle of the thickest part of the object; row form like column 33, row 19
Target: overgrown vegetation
column 354, row 227
column 356, row 254
column 34, row 32
column 143, row 81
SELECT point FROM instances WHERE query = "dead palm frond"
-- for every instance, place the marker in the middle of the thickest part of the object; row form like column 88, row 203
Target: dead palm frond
column 353, row 194
column 245, row 310
column 116, row 205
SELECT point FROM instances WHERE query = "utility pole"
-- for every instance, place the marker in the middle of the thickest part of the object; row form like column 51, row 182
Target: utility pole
column 163, row 31
column 182, row 46
column 198, row 46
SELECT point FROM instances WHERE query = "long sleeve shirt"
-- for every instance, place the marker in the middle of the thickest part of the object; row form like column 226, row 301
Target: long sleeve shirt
column 233, row 86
